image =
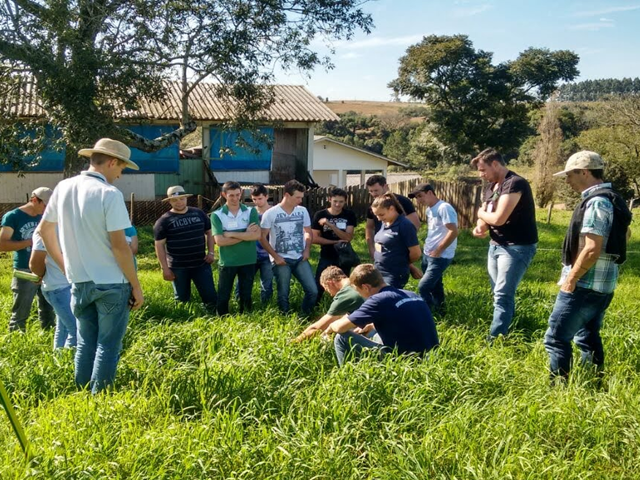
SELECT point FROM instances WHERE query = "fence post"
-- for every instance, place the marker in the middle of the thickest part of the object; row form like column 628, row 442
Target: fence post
column 549, row 210
column 200, row 202
column 133, row 198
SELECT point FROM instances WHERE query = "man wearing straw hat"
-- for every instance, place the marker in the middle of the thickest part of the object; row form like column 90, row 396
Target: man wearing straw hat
column 184, row 246
column 91, row 217
column 594, row 246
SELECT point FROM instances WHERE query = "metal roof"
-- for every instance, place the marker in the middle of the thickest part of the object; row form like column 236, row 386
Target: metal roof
column 292, row 103
column 322, row 138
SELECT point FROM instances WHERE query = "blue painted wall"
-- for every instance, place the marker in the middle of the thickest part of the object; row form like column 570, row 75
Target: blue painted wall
column 242, row 158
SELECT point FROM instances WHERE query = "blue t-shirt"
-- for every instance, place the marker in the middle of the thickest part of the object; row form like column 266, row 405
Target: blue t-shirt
column 129, row 233
column 392, row 244
column 23, row 226
column 262, row 254
column 401, row 318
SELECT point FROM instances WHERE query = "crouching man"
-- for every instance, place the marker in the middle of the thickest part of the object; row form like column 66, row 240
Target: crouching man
column 401, row 318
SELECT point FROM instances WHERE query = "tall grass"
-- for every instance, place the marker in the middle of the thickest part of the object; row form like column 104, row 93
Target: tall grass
column 203, row 397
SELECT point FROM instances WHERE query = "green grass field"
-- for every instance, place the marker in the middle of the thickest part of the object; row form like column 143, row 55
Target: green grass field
column 203, row 397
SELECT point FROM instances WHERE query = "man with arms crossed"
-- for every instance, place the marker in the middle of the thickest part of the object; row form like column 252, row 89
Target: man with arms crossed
column 346, row 299
column 235, row 228
column 439, row 246
column 286, row 235
column 401, row 318
column 91, row 218
column 595, row 244
column 184, row 247
column 508, row 214
column 16, row 234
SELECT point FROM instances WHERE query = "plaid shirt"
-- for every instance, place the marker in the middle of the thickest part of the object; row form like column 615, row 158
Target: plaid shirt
column 598, row 219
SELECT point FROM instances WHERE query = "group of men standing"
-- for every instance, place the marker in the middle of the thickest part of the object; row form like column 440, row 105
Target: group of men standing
column 82, row 234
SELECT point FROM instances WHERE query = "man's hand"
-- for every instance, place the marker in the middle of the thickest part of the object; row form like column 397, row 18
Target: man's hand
column 415, row 271
column 322, row 221
column 435, row 253
column 569, row 285
column 364, row 330
column 278, row 260
column 480, row 232
column 305, row 255
column 253, row 228
column 168, row 275
column 209, row 258
column 137, row 299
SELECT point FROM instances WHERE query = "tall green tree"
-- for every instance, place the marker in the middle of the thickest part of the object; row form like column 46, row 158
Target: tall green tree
column 94, row 58
column 474, row 103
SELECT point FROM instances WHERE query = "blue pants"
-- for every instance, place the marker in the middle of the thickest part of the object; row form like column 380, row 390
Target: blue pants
column 430, row 287
column 302, row 271
column 203, row 280
column 103, row 313
column 351, row 344
column 578, row 316
column 507, row 265
column 265, row 268
column 60, row 299
column 226, row 276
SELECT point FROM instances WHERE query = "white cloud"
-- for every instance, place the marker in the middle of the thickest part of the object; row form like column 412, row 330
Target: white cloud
column 350, row 55
column 606, row 19
column 589, row 51
column 606, row 11
column 471, row 11
column 373, row 42
column 593, row 27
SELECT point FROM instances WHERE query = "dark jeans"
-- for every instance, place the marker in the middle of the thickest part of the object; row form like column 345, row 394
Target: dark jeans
column 226, row 276
column 203, row 280
column 352, row 345
column 430, row 286
column 578, row 316
column 302, row 271
column 24, row 292
column 395, row 281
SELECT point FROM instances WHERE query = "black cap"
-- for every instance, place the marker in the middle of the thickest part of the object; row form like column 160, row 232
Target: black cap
column 423, row 187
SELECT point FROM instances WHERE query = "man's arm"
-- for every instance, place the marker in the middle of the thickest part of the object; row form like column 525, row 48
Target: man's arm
column 448, row 239
column 341, row 325
column 252, row 233
column 318, row 239
column 318, row 327
column 8, row 245
column 161, row 252
column 586, row 259
column 36, row 262
column 369, row 232
column 504, row 208
column 50, row 240
column 278, row 260
column 122, row 253
column 134, row 245
column 413, row 218
column 224, row 241
column 414, row 253
column 211, row 242
column 345, row 236
column 308, row 241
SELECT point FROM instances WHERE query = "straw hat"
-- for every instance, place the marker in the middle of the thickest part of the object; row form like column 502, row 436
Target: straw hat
column 176, row 192
column 113, row 148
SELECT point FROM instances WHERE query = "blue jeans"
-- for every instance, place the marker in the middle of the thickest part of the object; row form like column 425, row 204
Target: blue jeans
column 506, row 265
column 302, row 271
column 226, row 276
column 24, row 292
column 351, row 345
column 203, row 280
column 103, row 313
column 578, row 316
column 60, row 300
column 265, row 268
column 430, row 286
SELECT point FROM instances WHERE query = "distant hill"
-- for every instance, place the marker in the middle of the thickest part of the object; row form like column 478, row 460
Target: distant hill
column 364, row 107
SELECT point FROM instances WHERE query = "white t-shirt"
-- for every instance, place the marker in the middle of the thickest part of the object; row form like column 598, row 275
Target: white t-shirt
column 437, row 217
column 287, row 231
column 53, row 278
column 86, row 208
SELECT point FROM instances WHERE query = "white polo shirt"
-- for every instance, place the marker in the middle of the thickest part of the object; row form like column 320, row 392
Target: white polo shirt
column 86, row 208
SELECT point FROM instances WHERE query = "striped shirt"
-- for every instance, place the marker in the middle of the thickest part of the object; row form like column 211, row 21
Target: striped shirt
column 598, row 219
column 185, row 237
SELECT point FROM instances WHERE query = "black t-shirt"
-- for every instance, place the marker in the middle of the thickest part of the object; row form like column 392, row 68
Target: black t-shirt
column 520, row 228
column 407, row 206
column 342, row 221
column 184, row 232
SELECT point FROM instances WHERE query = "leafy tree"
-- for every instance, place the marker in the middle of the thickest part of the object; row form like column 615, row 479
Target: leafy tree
column 547, row 155
column 600, row 89
column 94, row 59
column 474, row 103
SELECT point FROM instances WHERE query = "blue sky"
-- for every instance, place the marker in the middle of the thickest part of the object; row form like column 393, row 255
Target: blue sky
column 605, row 33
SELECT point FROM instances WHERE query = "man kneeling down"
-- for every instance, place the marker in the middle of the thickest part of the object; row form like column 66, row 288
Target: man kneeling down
column 402, row 319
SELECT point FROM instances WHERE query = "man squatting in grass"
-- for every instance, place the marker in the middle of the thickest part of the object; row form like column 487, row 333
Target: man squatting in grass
column 185, row 249
column 508, row 213
column 377, row 186
column 235, row 229
column 332, row 226
column 16, row 234
column 88, row 216
column 594, row 246
column 401, row 318
column 346, row 300
column 286, row 235
column 439, row 246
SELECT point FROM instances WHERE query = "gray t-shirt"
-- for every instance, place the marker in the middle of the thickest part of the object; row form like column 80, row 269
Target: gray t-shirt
column 286, row 234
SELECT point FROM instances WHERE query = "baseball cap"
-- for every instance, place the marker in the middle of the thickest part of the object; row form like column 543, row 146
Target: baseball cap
column 423, row 187
column 43, row 193
column 583, row 160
